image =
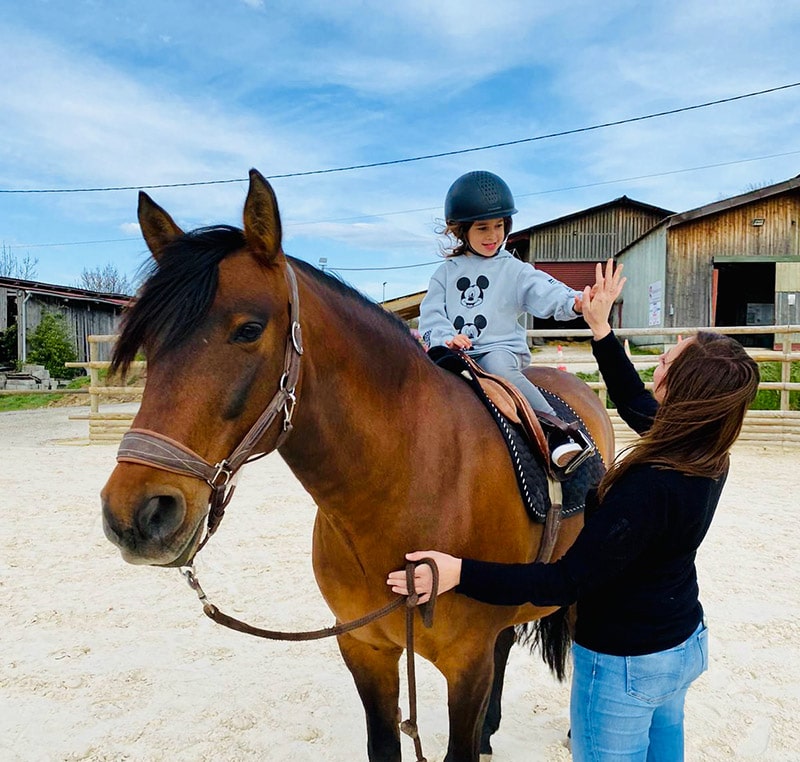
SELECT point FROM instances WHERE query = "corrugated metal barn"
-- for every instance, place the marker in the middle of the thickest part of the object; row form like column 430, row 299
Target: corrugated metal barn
column 24, row 302
column 734, row 262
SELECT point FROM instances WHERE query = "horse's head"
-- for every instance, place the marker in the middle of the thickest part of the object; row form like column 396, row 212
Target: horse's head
column 212, row 319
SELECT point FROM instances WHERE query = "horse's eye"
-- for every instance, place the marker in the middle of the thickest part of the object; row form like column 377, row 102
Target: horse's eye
column 248, row 333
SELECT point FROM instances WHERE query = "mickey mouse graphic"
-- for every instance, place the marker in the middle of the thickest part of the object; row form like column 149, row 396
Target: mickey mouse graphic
column 472, row 294
column 470, row 330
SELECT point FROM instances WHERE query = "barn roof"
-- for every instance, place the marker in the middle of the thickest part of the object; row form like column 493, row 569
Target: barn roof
column 620, row 201
column 405, row 307
column 716, row 207
column 65, row 292
column 734, row 201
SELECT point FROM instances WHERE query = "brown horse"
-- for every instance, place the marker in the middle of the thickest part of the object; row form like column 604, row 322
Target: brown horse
column 396, row 452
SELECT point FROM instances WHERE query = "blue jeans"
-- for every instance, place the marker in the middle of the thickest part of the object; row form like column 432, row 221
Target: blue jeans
column 631, row 707
column 508, row 365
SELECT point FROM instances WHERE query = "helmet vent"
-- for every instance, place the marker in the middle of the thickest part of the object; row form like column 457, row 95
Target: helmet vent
column 478, row 195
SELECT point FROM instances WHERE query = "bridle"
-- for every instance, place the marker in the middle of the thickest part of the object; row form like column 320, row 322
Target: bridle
column 149, row 448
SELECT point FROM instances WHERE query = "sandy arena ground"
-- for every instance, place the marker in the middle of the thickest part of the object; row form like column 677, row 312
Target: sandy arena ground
column 105, row 661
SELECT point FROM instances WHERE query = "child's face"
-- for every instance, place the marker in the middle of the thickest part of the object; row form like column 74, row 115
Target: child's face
column 486, row 236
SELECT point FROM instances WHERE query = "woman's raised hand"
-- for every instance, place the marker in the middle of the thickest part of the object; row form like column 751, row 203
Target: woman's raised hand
column 598, row 299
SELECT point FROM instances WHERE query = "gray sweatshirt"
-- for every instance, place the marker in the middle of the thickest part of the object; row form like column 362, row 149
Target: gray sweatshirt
column 483, row 298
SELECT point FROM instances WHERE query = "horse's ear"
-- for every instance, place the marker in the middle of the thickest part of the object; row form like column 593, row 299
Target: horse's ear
column 158, row 228
column 262, row 221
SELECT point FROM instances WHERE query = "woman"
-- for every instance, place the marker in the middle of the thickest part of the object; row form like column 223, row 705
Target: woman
column 640, row 638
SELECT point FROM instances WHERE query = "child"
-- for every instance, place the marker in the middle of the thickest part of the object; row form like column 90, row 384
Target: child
column 476, row 296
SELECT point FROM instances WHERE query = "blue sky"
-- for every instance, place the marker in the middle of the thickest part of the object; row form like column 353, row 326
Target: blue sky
column 118, row 93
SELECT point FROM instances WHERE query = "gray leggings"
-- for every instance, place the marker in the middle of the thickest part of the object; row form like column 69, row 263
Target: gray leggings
column 501, row 362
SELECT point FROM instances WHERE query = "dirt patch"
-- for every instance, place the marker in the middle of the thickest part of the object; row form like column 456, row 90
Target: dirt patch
column 105, row 661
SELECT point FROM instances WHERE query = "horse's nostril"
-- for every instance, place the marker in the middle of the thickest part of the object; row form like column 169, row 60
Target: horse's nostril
column 159, row 517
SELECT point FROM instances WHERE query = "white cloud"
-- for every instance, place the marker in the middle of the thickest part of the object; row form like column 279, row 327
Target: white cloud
column 295, row 85
column 130, row 228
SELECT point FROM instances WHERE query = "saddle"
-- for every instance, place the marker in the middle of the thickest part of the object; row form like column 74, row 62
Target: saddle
column 511, row 404
column 527, row 444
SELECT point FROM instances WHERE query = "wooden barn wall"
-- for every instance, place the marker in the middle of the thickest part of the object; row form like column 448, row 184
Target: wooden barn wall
column 83, row 319
column 592, row 238
column 645, row 266
column 576, row 275
column 787, row 295
column 5, row 295
column 693, row 245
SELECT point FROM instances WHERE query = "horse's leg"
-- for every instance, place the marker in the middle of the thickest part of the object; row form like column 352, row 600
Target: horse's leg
column 376, row 675
column 491, row 723
column 468, row 686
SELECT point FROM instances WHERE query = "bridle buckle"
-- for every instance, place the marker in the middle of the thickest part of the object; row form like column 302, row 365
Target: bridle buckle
column 223, row 468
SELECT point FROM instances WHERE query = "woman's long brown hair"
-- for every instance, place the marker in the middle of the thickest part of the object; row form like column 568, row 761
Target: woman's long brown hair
column 707, row 390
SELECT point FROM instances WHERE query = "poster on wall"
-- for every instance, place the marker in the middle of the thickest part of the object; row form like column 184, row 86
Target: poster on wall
column 654, row 304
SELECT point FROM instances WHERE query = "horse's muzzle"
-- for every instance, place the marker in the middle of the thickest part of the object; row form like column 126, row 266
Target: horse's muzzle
column 155, row 532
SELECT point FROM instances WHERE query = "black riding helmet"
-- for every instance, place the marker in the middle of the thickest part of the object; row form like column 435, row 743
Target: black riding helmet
column 478, row 195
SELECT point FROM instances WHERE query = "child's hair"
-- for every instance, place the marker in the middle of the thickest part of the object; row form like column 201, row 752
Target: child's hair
column 456, row 233
column 708, row 388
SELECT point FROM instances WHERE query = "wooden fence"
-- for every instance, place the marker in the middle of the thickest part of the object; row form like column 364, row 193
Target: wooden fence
column 779, row 427
column 105, row 426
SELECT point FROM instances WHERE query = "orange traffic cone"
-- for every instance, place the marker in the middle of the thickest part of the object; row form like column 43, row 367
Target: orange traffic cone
column 561, row 365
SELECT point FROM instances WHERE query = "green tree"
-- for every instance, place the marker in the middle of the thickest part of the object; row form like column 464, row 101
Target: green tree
column 8, row 344
column 51, row 346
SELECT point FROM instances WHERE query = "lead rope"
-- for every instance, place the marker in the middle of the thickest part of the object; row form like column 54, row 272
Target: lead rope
column 409, row 726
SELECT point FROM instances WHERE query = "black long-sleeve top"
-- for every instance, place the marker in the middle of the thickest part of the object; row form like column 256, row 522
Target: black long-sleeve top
column 631, row 569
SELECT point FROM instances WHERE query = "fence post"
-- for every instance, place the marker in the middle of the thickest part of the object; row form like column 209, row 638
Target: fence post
column 94, row 377
column 786, row 370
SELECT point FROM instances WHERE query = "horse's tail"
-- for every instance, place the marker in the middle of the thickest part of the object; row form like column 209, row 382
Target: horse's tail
column 552, row 636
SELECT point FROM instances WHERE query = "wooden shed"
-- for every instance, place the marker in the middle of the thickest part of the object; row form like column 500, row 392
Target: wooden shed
column 405, row 307
column 569, row 247
column 24, row 303
column 734, row 262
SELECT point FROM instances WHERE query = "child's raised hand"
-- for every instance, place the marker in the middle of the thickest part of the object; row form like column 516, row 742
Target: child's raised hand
column 598, row 300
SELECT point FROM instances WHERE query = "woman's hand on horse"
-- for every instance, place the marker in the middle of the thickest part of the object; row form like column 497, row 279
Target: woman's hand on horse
column 599, row 298
column 449, row 574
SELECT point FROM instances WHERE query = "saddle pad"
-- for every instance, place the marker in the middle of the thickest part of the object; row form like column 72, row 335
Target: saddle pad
column 528, row 469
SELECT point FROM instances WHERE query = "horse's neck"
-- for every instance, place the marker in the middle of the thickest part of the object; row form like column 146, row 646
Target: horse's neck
column 359, row 396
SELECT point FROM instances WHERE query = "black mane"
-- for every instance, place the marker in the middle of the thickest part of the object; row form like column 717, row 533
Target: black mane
column 378, row 316
column 181, row 287
column 177, row 293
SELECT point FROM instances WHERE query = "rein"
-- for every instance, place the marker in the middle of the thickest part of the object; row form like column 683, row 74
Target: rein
column 409, row 726
column 149, row 448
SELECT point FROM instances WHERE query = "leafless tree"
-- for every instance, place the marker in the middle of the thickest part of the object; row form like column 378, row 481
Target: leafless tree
column 107, row 279
column 12, row 266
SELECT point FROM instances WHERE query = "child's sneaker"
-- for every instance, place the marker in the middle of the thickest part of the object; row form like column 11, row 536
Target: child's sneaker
column 564, row 453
